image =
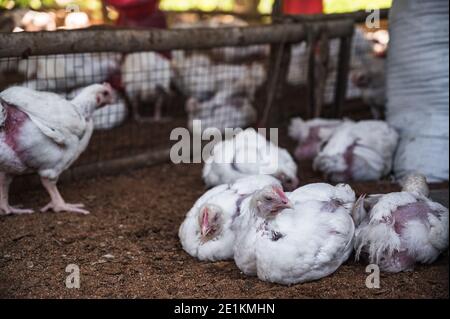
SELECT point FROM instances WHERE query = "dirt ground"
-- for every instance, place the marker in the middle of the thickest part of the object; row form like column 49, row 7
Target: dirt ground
column 128, row 248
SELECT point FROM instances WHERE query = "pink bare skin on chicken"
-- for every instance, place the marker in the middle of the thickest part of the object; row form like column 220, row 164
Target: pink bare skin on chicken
column 310, row 147
column 21, row 155
column 402, row 260
column 347, row 174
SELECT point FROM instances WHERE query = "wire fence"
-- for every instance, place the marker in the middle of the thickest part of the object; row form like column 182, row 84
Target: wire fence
column 218, row 76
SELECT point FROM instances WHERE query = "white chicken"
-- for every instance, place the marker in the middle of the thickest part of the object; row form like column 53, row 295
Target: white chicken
column 64, row 72
column 109, row 116
column 264, row 204
column 360, row 151
column 206, row 231
column 249, row 153
column 403, row 228
column 44, row 133
column 196, row 76
column 192, row 75
column 247, row 77
column 341, row 194
column 311, row 135
column 307, row 239
column 227, row 109
column 146, row 78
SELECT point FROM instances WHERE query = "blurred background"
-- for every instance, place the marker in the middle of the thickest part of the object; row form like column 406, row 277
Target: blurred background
column 64, row 13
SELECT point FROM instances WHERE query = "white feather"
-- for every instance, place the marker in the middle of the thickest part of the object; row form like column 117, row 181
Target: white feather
column 109, row 116
column 68, row 71
column 228, row 198
column 55, row 134
column 56, row 117
column 301, row 244
column 374, row 144
column 248, row 153
column 418, row 240
column 143, row 73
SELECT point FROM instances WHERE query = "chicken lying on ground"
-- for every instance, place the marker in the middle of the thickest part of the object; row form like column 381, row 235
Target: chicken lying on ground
column 227, row 109
column 249, row 153
column 401, row 229
column 298, row 238
column 206, row 231
column 361, row 151
column 44, row 133
column 231, row 105
column 311, row 135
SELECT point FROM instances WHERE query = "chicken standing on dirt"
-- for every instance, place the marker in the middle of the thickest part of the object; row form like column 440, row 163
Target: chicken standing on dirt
column 44, row 133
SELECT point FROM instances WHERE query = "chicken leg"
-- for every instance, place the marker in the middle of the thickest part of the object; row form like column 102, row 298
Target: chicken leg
column 5, row 208
column 57, row 203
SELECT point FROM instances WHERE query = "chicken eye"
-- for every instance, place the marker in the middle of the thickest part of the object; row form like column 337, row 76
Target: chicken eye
column 268, row 198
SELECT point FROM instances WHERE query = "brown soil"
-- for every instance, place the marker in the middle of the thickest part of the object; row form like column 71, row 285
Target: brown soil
column 135, row 218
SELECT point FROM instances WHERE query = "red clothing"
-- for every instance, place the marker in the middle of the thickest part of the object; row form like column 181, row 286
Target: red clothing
column 302, row 6
column 139, row 13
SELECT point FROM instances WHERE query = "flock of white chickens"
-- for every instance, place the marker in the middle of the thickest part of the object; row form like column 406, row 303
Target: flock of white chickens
column 345, row 150
column 255, row 212
column 307, row 233
column 282, row 237
column 213, row 90
column 219, row 88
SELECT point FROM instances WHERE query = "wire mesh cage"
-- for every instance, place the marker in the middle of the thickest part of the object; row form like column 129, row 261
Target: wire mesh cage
column 225, row 77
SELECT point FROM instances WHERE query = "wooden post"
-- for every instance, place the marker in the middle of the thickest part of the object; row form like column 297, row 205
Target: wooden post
column 24, row 44
column 311, row 76
column 320, row 66
column 345, row 50
column 275, row 72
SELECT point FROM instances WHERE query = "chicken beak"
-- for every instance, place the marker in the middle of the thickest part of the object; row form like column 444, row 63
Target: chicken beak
column 204, row 230
column 286, row 205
